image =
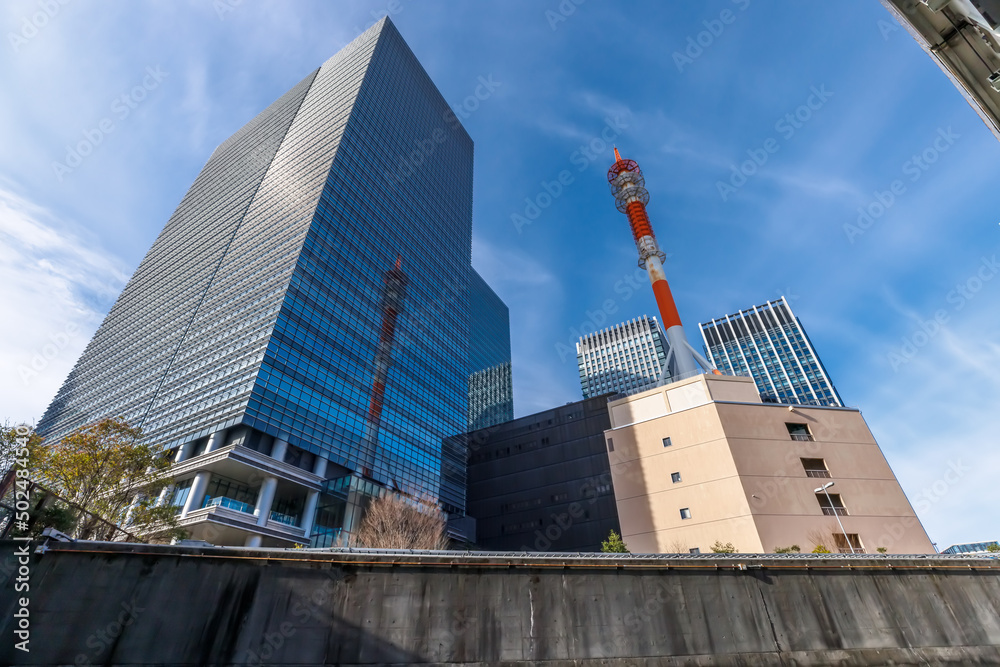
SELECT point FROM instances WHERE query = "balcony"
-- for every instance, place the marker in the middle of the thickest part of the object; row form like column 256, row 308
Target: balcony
column 803, row 437
column 286, row 519
column 835, row 511
column 229, row 503
column 818, row 473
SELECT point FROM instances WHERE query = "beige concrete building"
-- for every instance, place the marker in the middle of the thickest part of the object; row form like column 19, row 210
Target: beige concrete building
column 704, row 459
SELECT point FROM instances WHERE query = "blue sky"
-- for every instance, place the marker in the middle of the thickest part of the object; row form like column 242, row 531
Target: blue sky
column 902, row 312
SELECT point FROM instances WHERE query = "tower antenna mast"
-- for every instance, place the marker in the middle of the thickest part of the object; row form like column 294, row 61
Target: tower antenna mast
column 628, row 187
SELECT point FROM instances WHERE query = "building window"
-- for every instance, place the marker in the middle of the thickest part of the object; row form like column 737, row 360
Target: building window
column 799, row 431
column 181, row 491
column 845, row 544
column 815, row 467
column 611, row 445
column 832, row 504
column 675, row 477
column 685, row 513
column 666, row 442
column 694, row 550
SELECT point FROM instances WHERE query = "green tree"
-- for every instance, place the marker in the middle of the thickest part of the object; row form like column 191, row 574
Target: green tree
column 614, row 544
column 19, row 445
column 48, row 512
column 882, row 550
column 721, row 548
column 112, row 478
column 821, row 549
column 993, row 548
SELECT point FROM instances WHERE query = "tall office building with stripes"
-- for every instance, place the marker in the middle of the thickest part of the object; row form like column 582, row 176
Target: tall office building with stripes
column 623, row 359
column 769, row 344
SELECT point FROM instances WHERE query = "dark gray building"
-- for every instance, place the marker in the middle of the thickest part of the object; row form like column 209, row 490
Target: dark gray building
column 543, row 482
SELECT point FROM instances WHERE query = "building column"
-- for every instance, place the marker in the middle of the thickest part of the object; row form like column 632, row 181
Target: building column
column 197, row 494
column 264, row 500
column 278, row 449
column 319, row 467
column 252, row 541
column 131, row 510
column 309, row 512
column 215, row 441
column 164, row 494
column 184, row 453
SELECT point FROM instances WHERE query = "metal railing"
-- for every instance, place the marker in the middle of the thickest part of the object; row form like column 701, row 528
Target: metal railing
column 817, row 473
column 229, row 503
column 596, row 556
column 286, row 519
column 835, row 511
column 803, row 437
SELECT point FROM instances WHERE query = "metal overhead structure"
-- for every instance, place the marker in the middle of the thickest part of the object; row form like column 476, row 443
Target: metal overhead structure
column 963, row 37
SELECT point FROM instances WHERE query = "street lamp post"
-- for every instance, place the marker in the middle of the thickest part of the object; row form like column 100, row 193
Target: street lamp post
column 835, row 512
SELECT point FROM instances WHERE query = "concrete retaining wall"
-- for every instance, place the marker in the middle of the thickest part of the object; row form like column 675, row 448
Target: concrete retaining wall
column 94, row 603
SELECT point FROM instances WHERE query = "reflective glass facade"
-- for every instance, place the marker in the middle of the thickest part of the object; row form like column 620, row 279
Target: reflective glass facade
column 622, row 359
column 491, row 392
column 286, row 292
column 971, row 548
column 769, row 344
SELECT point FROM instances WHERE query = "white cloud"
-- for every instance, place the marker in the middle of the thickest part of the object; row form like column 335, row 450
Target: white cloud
column 56, row 290
column 934, row 416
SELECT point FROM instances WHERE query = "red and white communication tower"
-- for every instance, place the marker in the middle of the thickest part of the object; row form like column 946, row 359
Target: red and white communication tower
column 631, row 197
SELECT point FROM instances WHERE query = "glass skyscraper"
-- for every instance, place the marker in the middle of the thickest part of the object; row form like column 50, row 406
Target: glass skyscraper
column 491, row 392
column 277, row 339
column 769, row 344
column 623, row 359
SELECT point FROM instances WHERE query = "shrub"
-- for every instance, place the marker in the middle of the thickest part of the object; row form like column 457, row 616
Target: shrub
column 721, row 548
column 614, row 544
column 794, row 549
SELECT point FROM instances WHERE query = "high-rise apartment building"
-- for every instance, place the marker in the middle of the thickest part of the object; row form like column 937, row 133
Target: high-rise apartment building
column 491, row 391
column 276, row 338
column 624, row 358
column 769, row 344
